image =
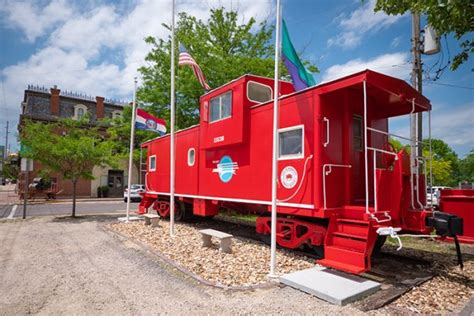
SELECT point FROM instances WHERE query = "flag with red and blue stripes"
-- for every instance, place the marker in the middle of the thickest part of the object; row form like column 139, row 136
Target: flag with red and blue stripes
column 146, row 121
column 186, row 59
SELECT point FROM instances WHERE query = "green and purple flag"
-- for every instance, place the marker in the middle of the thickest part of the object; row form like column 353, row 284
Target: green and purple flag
column 299, row 75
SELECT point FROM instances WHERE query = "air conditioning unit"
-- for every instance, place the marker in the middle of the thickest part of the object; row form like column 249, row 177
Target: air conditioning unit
column 431, row 41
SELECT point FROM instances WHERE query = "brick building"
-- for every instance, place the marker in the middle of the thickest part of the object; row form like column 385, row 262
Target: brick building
column 48, row 105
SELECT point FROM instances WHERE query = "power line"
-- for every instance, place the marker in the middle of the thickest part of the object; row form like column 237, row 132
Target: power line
column 449, row 85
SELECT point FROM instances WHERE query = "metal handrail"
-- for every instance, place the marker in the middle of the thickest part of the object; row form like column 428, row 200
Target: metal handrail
column 326, row 143
column 326, row 173
column 395, row 135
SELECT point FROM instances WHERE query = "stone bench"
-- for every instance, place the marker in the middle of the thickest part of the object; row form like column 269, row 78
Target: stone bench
column 151, row 219
column 224, row 238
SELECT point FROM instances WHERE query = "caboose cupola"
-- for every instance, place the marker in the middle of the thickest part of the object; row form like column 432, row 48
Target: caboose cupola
column 225, row 110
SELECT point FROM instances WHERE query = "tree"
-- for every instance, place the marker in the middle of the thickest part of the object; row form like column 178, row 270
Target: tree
column 446, row 16
column 442, row 171
column 466, row 168
column 224, row 49
column 68, row 147
column 118, row 134
column 444, row 162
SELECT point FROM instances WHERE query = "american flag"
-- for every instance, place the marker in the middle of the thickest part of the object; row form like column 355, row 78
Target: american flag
column 186, row 59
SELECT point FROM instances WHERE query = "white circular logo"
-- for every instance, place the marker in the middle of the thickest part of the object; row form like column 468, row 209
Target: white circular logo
column 289, row 177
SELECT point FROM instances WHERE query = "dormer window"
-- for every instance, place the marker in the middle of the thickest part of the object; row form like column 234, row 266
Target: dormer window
column 79, row 111
column 221, row 107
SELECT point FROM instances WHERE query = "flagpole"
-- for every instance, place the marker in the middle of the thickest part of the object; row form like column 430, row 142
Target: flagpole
column 172, row 114
column 130, row 158
column 272, row 273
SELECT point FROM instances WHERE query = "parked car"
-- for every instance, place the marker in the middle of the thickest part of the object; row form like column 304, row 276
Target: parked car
column 134, row 192
column 435, row 198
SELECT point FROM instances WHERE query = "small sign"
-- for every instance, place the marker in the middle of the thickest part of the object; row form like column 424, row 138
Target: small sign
column 26, row 164
column 218, row 139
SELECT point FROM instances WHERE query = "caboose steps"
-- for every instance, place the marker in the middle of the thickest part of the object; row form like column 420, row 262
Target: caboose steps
column 348, row 243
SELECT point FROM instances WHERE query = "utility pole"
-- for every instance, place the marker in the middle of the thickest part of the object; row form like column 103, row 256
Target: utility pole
column 416, row 81
column 6, row 144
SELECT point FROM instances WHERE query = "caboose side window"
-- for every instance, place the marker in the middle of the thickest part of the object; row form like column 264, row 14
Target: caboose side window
column 258, row 92
column 221, row 107
column 291, row 143
column 152, row 163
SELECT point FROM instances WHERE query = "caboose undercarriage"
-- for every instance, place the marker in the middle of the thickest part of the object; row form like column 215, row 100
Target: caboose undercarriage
column 342, row 187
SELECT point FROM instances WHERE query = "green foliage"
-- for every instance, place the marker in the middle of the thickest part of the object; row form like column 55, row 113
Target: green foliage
column 397, row 145
column 10, row 170
column 118, row 134
column 71, row 148
column 466, row 167
column 224, row 49
column 446, row 16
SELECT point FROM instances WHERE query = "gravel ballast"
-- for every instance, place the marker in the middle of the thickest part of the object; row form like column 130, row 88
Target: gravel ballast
column 247, row 265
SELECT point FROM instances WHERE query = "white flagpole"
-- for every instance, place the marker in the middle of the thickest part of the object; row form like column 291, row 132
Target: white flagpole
column 272, row 273
column 172, row 114
column 130, row 158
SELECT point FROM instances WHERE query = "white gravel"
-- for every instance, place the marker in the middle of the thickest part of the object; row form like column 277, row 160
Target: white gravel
column 248, row 264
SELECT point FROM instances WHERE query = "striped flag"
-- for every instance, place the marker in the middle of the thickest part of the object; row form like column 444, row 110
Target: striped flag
column 186, row 59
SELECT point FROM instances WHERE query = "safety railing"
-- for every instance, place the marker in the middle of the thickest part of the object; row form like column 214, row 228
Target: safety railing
column 415, row 159
column 326, row 173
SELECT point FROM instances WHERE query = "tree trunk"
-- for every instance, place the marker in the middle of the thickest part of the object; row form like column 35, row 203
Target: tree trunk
column 74, row 184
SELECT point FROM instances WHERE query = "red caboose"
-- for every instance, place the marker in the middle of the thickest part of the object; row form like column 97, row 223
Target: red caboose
column 339, row 179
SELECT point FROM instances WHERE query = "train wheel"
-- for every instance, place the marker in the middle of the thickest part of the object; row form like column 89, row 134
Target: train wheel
column 163, row 209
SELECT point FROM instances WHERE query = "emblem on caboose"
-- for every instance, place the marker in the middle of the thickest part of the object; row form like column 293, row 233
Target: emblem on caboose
column 289, row 177
column 226, row 169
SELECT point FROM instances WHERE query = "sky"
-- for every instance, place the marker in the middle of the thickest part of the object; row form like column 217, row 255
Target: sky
column 96, row 46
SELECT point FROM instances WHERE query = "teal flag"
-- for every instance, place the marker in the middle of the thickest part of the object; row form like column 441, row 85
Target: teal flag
column 299, row 75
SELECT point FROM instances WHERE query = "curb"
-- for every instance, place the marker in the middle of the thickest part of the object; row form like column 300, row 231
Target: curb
column 199, row 279
column 78, row 200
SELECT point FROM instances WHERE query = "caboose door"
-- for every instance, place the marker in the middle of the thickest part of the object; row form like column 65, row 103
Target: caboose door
column 335, row 154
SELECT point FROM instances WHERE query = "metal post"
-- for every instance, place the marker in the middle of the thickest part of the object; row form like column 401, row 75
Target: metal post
column 272, row 273
column 431, row 158
column 417, row 83
column 140, row 168
column 130, row 158
column 366, row 164
column 172, row 114
column 25, row 194
column 5, row 153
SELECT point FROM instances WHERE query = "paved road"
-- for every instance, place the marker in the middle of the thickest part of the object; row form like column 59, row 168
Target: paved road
column 53, row 265
column 11, row 207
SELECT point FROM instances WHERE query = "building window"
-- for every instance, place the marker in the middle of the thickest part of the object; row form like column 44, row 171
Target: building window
column 258, row 92
column 221, row 107
column 116, row 114
column 291, row 143
column 152, row 163
column 79, row 111
column 357, row 136
column 191, row 157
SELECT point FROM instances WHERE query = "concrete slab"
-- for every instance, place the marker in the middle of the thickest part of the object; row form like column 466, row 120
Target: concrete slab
column 333, row 286
column 130, row 219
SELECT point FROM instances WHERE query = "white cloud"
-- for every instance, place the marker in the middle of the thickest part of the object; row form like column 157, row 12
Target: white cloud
column 396, row 42
column 96, row 47
column 451, row 123
column 359, row 23
column 396, row 64
column 32, row 19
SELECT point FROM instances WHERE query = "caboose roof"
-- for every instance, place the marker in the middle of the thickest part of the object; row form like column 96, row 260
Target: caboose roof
column 394, row 96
